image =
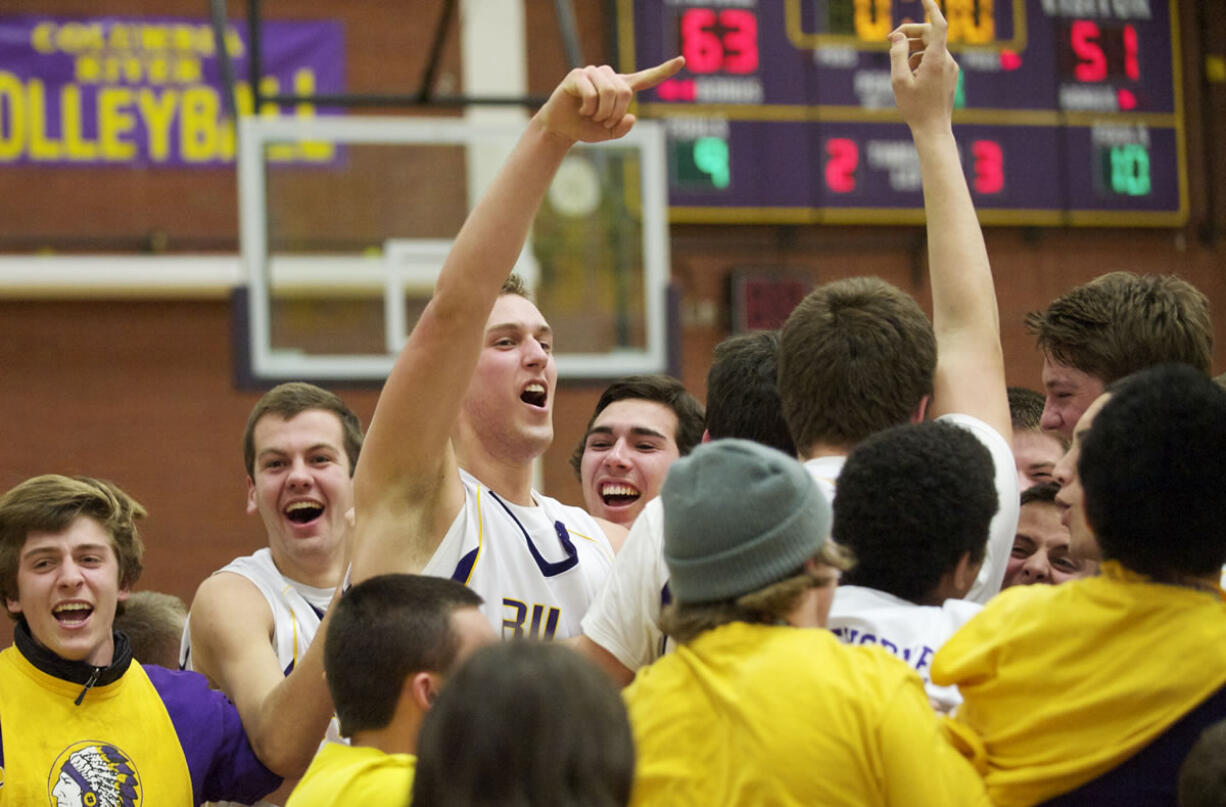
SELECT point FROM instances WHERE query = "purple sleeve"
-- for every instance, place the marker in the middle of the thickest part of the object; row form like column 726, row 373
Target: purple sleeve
column 222, row 763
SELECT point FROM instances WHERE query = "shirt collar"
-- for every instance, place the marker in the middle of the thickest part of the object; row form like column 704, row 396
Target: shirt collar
column 76, row 672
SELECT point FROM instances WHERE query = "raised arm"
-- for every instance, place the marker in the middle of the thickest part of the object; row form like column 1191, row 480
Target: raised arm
column 406, row 487
column 970, row 374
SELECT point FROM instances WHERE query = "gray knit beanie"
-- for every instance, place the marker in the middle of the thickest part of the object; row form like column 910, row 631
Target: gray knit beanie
column 738, row 516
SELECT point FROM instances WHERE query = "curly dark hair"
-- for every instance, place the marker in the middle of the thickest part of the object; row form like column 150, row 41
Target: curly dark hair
column 912, row 500
column 1152, row 466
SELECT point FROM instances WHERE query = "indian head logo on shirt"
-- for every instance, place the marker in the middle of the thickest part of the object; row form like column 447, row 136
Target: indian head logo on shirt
column 94, row 774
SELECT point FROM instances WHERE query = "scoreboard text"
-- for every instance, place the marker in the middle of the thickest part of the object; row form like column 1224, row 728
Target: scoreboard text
column 1067, row 111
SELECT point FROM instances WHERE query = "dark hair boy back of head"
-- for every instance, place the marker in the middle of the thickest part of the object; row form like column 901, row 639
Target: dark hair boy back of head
column 383, row 630
column 857, row 356
column 912, row 500
column 662, row 389
column 1152, row 466
column 293, row 398
column 522, row 724
column 1120, row 322
column 743, row 391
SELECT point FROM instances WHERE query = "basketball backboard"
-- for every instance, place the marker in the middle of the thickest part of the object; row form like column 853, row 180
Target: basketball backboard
column 342, row 257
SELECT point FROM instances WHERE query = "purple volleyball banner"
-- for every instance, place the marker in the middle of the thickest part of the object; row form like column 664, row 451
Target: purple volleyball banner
column 147, row 91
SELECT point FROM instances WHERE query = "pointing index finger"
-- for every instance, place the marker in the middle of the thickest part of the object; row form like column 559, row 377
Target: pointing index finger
column 646, row 79
column 939, row 25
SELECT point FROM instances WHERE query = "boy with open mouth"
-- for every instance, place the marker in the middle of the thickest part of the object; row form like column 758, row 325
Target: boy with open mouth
column 83, row 721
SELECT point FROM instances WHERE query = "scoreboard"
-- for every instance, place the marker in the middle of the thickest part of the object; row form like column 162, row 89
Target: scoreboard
column 1067, row 112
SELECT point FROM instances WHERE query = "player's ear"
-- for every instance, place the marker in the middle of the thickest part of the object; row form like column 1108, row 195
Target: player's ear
column 251, row 505
column 423, row 688
column 966, row 572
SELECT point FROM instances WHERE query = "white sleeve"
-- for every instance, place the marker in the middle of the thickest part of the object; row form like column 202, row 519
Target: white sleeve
column 624, row 618
column 1004, row 523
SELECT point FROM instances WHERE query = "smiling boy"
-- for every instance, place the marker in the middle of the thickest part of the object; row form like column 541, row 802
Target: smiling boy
column 252, row 623
column 641, row 424
column 1113, row 326
column 79, row 718
column 1042, row 549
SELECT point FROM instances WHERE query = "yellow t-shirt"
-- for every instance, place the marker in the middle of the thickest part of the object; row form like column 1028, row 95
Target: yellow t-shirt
column 345, row 774
column 757, row 714
column 1061, row 684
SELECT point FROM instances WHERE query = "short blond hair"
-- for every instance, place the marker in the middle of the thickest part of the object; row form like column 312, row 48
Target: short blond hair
column 768, row 605
column 153, row 622
column 514, row 284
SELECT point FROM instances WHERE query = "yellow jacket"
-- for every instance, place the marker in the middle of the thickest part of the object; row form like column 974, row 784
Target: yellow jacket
column 1060, row 684
column 769, row 715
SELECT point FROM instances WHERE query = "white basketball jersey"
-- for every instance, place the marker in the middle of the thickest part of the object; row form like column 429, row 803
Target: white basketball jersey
column 296, row 608
column 537, row 568
column 913, row 633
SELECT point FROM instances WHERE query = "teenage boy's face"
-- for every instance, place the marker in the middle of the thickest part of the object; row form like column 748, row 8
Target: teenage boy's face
column 1041, row 549
column 509, row 403
column 68, row 589
column 626, row 456
column 1069, row 393
column 302, row 487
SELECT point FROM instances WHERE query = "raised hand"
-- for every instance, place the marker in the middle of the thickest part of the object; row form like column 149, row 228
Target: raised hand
column 591, row 103
column 922, row 71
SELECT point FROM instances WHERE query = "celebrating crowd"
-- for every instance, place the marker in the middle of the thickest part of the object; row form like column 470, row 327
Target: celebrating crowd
column 868, row 573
